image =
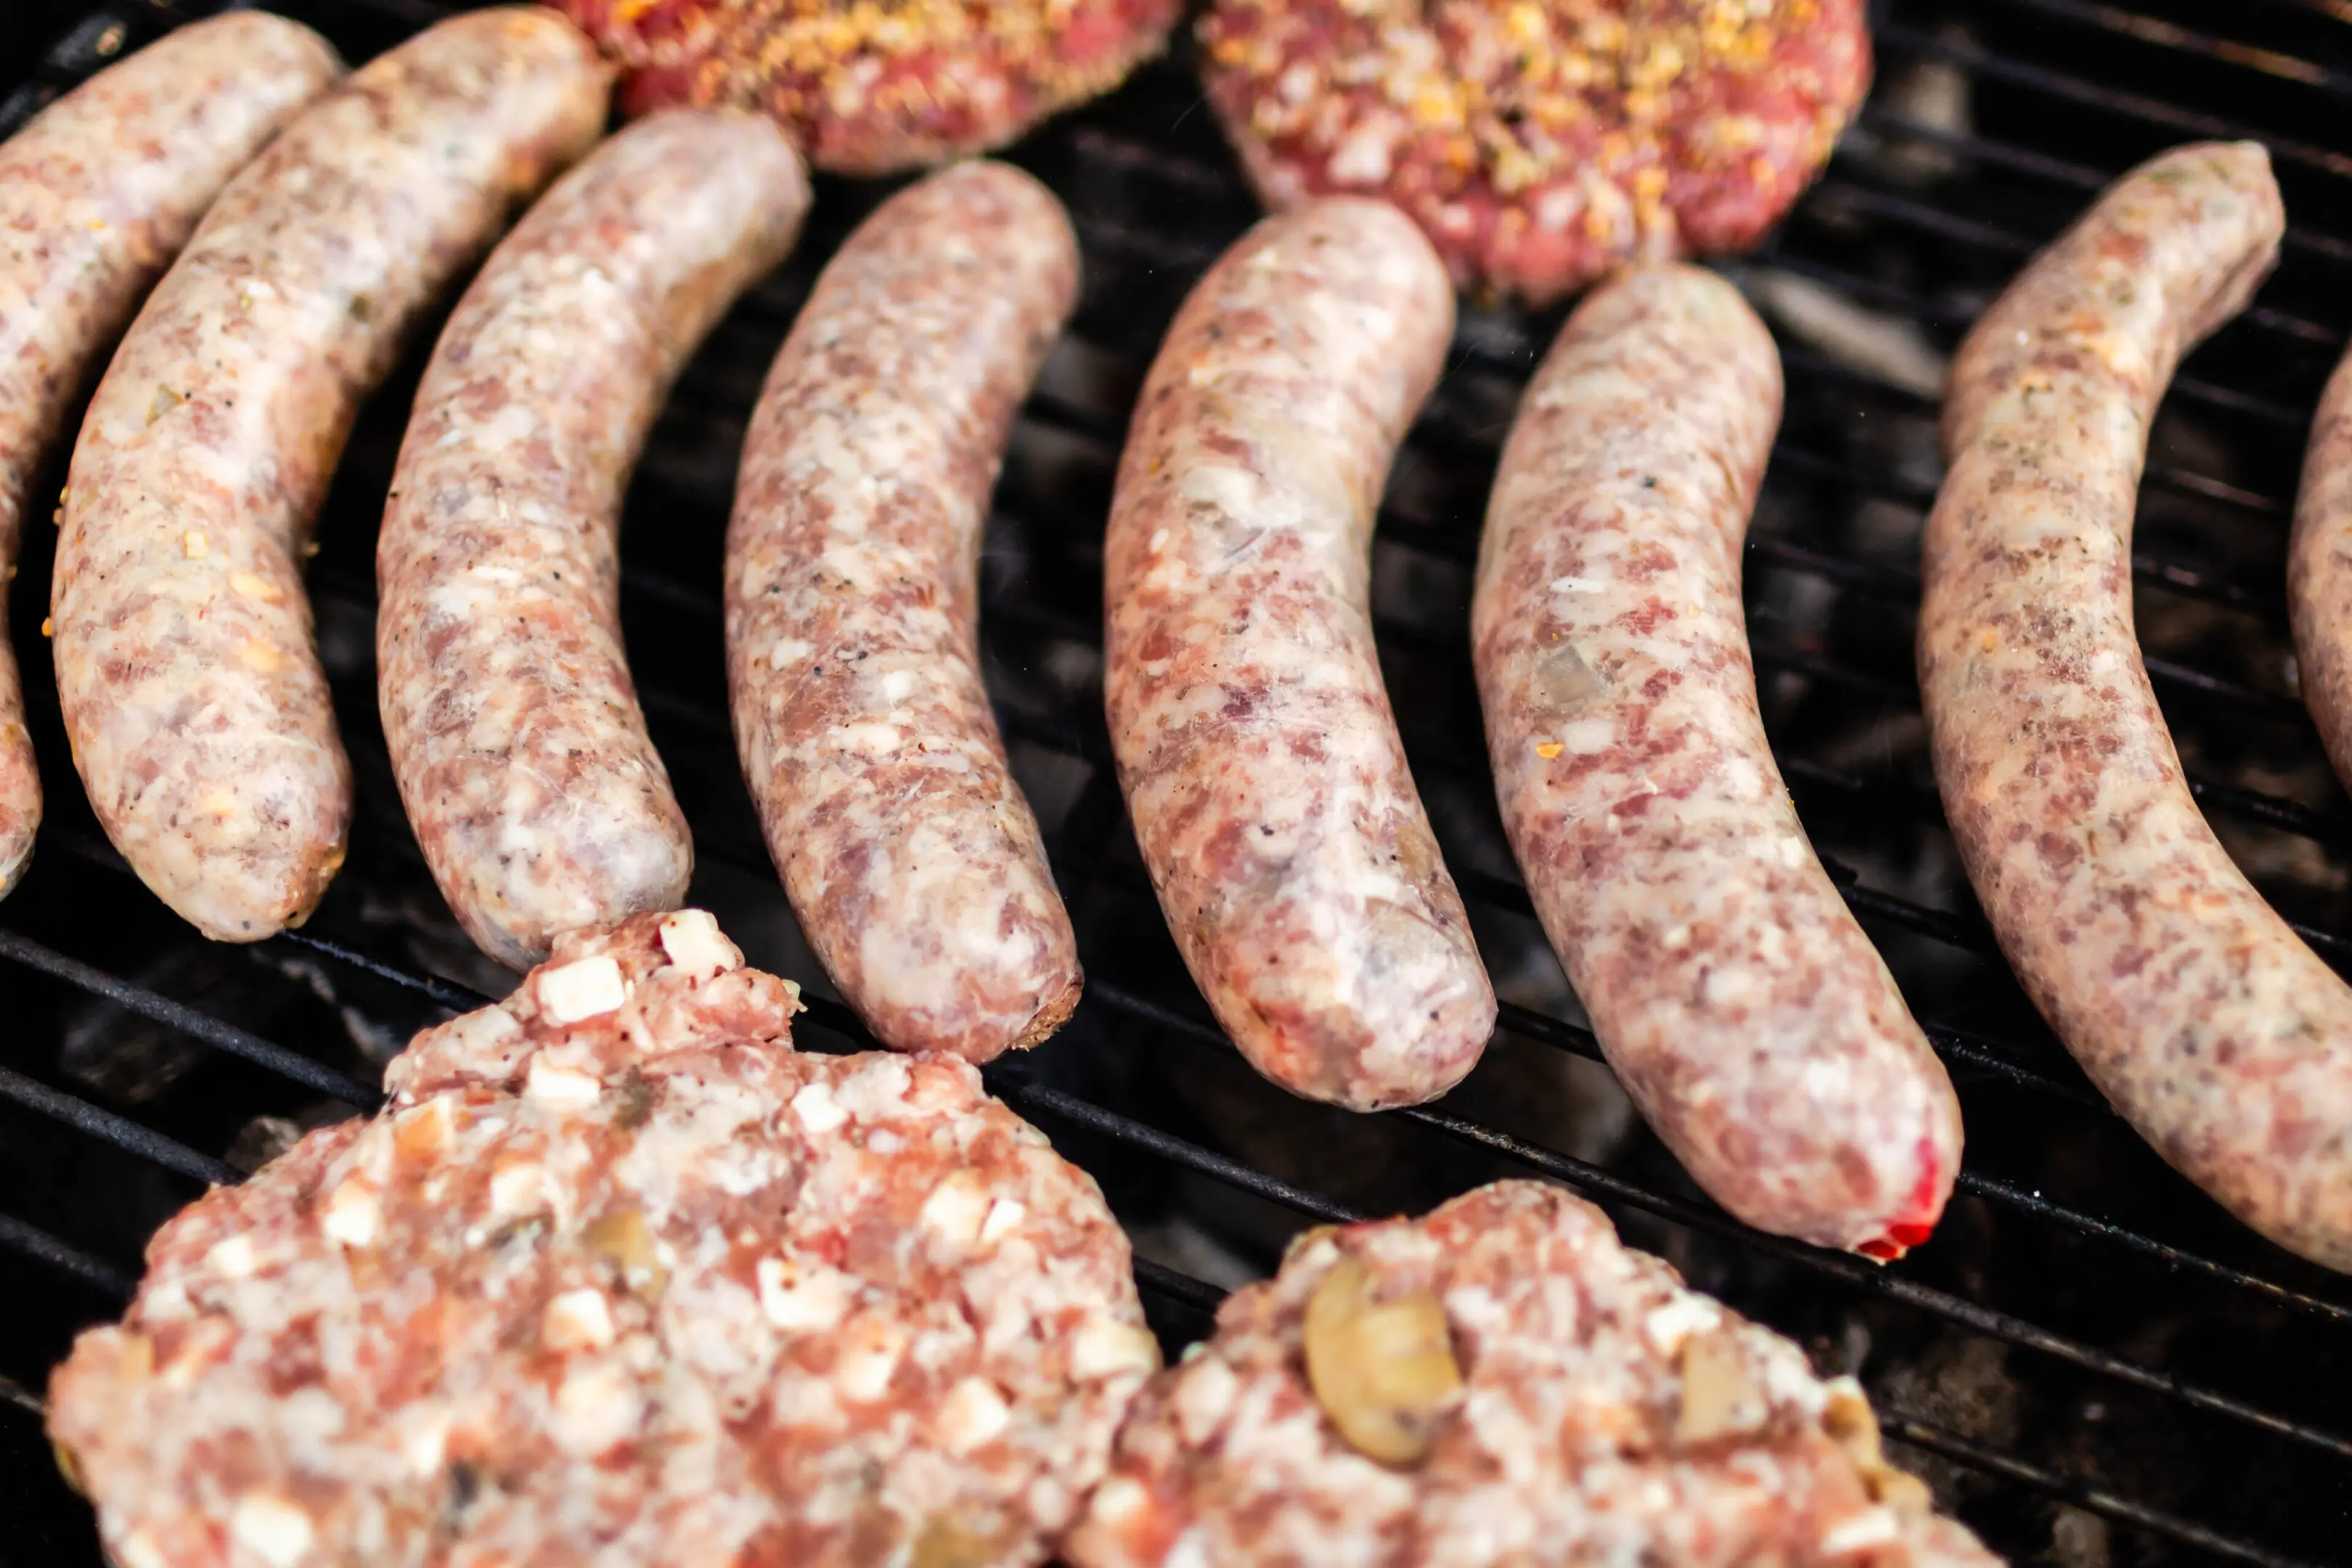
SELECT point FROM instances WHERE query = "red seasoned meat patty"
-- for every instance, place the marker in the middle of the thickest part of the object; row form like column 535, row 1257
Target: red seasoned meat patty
column 878, row 86
column 1541, row 141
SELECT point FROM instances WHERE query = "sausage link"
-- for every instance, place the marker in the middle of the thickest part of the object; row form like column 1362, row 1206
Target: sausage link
column 853, row 588
column 1737, row 1001
column 96, row 195
column 514, row 729
column 1254, row 740
column 186, row 668
column 2217, row 1034
column 2319, row 571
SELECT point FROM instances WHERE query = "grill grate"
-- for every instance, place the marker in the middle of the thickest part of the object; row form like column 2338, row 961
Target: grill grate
column 2097, row 1365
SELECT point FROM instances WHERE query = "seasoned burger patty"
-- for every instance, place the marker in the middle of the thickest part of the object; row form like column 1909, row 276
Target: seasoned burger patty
column 1540, row 143
column 619, row 1278
column 878, row 86
column 1501, row 1382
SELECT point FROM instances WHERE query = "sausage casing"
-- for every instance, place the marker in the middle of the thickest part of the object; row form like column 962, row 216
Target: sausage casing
column 514, row 729
column 2209, row 1026
column 2319, row 571
column 1254, row 740
column 191, row 689
column 852, row 653
column 96, row 195
column 1740, row 1003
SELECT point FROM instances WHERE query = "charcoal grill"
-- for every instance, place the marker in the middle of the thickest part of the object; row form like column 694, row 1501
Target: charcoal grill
column 2091, row 1362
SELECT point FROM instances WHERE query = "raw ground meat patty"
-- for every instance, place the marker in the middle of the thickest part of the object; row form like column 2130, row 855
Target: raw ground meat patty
column 875, row 87
column 1535, row 1393
column 1541, row 141
column 618, row 1277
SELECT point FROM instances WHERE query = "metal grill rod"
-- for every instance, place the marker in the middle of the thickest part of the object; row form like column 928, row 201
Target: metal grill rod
column 2164, row 35
column 1900, row 588
column 1593, row 1179
column 42, row 1247
column 457, row 998
column 2082, row 1494
column 1462, row 546
column 1517, row 353
column 197, row 1025
column 1890, row 583
column 2267, row 606
column 2127, row 105
column 120, row 1131
column 1965, row 1048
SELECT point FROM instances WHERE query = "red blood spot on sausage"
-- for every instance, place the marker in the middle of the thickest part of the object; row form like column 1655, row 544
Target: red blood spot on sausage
column 1925, row 1204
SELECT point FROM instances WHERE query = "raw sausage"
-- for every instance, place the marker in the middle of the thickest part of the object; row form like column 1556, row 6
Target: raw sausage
column 2222, row 1037
column 853, row 587
column 1254, row 740
column 1737, row 1001
column 192, row 691
column 2319, row 571
column 96, row 195
column 514, row 729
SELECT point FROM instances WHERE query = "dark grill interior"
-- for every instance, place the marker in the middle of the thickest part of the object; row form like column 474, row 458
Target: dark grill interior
column 2091, row 1362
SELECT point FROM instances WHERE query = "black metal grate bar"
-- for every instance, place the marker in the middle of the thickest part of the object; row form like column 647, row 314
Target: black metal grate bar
column 1993, row 1190
column 2058, row 171
column 2083, row 1494
column 2153, row 111
column 72, row 1261
column 189, row 1021
column 1161, row 1280
column 457, row 998
column 119, row 1131
column 2172, row 36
